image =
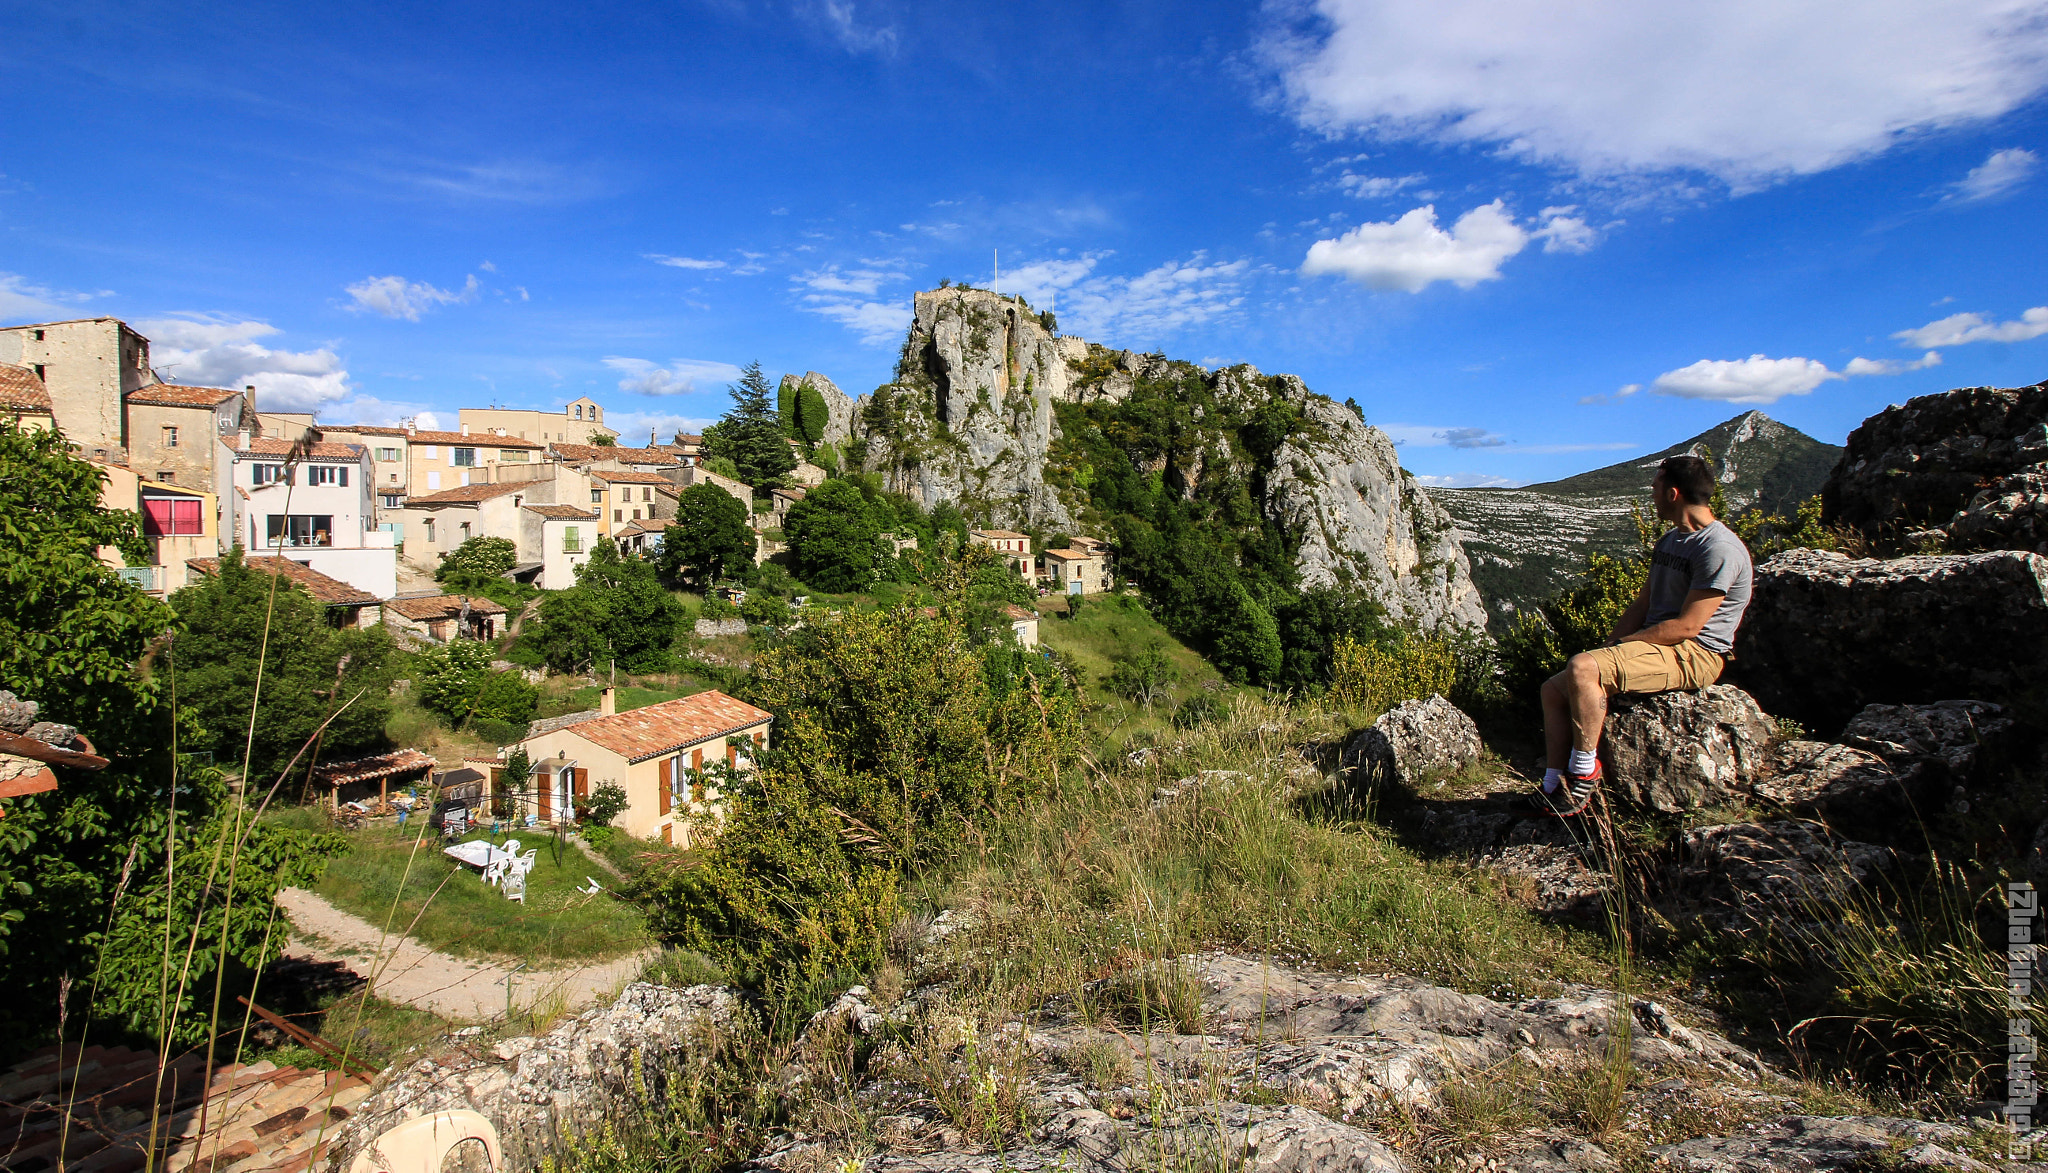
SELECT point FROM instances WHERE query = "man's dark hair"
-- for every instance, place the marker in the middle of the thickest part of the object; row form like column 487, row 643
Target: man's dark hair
column 1691, row 476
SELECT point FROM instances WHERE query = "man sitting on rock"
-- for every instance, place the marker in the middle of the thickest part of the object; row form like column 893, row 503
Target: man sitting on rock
column 1676, row 635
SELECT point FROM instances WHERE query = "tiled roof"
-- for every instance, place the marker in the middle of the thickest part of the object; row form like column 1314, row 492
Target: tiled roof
column 997, row 533
column 1071, row 555
column 22, row 390
column 331, row 591
column 470, row 494
column 632, row 478
column 792, row 494
column 363, row 429
column 1014, row 612
column 562, row 512
column 550, row 724
column 472, row 440
column 613, row 452
column 179, row 395
column 443, row 606
column 671, row 725
column 632, row 529
column 371, row 768
column 259, row 446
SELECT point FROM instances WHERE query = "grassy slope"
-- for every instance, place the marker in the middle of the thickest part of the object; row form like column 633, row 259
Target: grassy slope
column 1110, row 629
column 464, row 916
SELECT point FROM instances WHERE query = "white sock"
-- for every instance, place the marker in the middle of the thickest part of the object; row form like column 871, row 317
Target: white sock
column 1582, row 762
column 1551, row 779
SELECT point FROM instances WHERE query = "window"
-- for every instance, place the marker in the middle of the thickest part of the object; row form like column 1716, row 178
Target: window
column 433, row 482
column 390, row 500
column 387, row 454
column 636, row 515
column 170, row 437
column 579, row 411
column 269, row 474
column 597, row 496
column 39, row 371
column 39, row 336
column 394, row 478
column 327, row 474
column 462, row 457
column 167, row 476
column 595, row 411
column 300, row 529
column 512, row 455
column 572, row 539
column 430, row 531
column 465, row 531
column 430, row 452
column 618, row 515
column 646, row 493
column 171, row 516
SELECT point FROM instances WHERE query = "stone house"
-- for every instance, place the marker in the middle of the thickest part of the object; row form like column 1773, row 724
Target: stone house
column 435, row 523
column 179, row 523
column 346, row 606
column 621, row 497
column 783, row 500
column 1076, row 572
column 599, row 456
column 553, row 541
column 310, row 500
column 444, row 617
column 1014, row 547
column 657, row 754
column 172, row 430
column 690, row 476
column 87, row 366
column 437, row 461
column 574, row 423
column 390, row 468
column 1023, row 624
column 24, row 401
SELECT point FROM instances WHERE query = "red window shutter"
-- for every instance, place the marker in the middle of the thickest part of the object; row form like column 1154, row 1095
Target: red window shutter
column 668, row 781
column 697, row 758
column 668, row 832
column 186, row 519
column 547, row 794
column 732, row 754
column 582, row 783
column 158, row 518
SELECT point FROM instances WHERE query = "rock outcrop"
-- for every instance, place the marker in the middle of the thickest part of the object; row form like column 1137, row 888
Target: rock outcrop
column 1413, row 742
column 1827, row 634
column 970, row 419
column 1680, row 751
column 1921, row 463
column 1817, row 1144
column 533, row 1090
column 1782, row 874
column 839, row 406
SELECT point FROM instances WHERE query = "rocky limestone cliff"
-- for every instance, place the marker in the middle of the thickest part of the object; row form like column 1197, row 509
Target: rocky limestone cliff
column 973, row 419
column 839, row 406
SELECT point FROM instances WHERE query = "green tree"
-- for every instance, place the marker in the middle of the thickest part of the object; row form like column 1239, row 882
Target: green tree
column 456, row 681
column 604, row 804
column 241, row 620
column 477, row 562
column 811, row 415
column 708, row 539
column 1143, row 677
column 603, row 440
column 834, row 540
column 617, row 613
column 87, row 893
column 751, row 434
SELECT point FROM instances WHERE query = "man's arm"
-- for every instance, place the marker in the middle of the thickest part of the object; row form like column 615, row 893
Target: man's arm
column 1689, row 622
column 1632, row 618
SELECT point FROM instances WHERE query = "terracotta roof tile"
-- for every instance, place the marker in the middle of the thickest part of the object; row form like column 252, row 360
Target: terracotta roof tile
column 331, row 591
column 562, row 512
column 613, row 452
column 792, row 494
column 372, row 767
column 363, row 429
column 443, row 606
column 470, row 494
column 1072, row 555
column 21, row 389
column 998, row 533
column 671, row 725
column 472, row 440
column 260, row 446
column 1013, row 611
column 179, row 395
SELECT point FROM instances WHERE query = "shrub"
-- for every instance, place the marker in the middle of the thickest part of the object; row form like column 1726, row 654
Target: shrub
column 1199, row 709
column 456, row 682
column 1374, row 677
column 1143, row 678
column 604, row 804
column 764, row 608
column 477, row 561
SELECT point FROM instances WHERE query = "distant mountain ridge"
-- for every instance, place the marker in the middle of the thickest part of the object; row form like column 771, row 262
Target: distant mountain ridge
column 1526, row 544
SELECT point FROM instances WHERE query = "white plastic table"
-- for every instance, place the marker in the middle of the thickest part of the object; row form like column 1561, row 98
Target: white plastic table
column 477, row 853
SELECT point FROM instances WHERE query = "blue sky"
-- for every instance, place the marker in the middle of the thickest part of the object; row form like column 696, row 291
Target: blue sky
column 1484, row 221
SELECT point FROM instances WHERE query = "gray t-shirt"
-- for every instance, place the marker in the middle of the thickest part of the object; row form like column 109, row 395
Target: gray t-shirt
column 1710, row 559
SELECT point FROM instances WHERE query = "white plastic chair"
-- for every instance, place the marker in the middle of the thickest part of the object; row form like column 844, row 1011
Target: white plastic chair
column 590, row 886
column 509, row 847
column 514, row 886
column 494, row 872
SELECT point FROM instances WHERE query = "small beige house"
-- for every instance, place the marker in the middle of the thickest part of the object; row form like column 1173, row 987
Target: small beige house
column 1013, row 546
column 657, row 754
column 1079, row 572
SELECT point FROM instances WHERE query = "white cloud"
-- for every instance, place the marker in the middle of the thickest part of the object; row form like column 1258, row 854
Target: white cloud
column 1372, row 187
column 213, row 350
column 427, row 421
column 1617, row 397
column 369, row 409
column 832, row 279
column 1412, row 253
column 2003, row 172
column 1469, row 480
column 1957, row 329
column 1755, row 379
column 22, row 301
column 684, row 262
column 1424, row 436
column 876, row 322
column 1891, row 366
column 633, row 425
column 395, row 297
column 1745, row 90
column 1563, row 232
column 1132, row 311
column 838, row 17
column 488, row 267
column 680, row 377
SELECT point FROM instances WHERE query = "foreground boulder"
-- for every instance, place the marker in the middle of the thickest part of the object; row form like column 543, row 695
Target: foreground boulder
column 1782, row 874
column 1816, row 1143
column 1414, row 742
column 1680, row 751
column 534, row 1090
column 1920, row 463
column 1827, row 634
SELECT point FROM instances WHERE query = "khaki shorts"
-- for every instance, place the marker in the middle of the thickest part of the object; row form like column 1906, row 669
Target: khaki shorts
column 1636, row 666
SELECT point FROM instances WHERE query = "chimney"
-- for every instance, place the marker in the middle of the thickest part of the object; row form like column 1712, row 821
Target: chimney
column 411, row 426
column 607, row 701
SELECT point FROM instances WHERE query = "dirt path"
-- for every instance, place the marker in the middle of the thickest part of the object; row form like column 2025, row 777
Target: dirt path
column 409, row 973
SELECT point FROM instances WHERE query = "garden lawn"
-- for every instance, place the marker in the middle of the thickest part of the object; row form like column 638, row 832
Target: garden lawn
column 458, row 913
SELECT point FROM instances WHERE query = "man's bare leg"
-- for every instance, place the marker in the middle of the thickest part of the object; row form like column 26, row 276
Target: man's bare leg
column 1586, row 700
column 1557, row 720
